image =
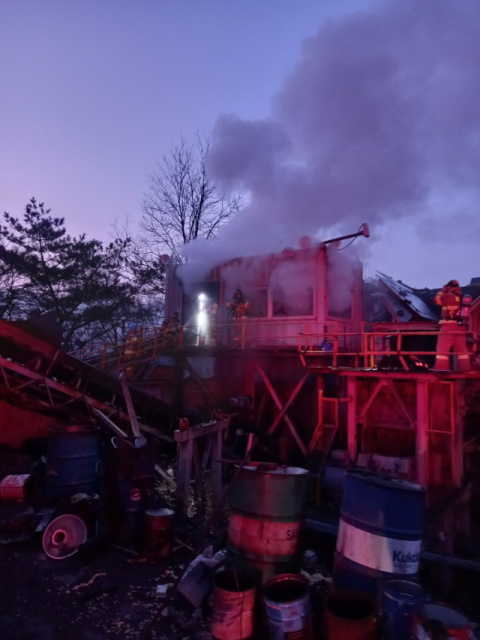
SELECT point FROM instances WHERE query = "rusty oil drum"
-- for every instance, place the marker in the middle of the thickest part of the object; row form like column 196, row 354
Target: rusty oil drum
column 127, row 477
column 266, row 519
column 233, row 605
column 157, row 535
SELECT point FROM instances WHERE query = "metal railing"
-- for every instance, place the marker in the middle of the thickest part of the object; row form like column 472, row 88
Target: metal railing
column 366, row 349
column 330, row 341
column 147, row 344
column 152, row 343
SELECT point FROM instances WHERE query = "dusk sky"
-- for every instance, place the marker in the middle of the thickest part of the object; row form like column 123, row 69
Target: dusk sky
column 94, row 92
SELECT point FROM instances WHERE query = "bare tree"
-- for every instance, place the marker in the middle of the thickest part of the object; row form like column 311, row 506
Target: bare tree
column 182, row 203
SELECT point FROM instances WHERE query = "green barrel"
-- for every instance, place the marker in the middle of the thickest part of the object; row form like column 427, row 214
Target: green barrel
column 266, row 519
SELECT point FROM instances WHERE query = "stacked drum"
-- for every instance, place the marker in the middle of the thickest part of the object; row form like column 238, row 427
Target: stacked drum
column 267, row 519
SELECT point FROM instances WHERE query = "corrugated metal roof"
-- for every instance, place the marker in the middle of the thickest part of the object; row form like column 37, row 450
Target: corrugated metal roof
column 410, row 298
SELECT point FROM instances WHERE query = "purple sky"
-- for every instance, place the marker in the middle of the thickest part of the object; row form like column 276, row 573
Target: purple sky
column 93, row 93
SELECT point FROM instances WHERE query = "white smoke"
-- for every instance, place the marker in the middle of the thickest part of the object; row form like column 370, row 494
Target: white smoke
column 376, row 121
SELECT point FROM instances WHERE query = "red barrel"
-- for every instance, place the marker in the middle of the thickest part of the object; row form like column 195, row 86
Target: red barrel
column 157, row 538
column 13, row 487
column 350, row 615
column 233, row 605
column 433, row 620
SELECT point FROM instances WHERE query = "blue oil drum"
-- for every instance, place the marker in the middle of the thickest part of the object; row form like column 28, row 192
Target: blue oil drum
column 380, row 532
column 127, row 475
column 72, row 460
column 400, row 598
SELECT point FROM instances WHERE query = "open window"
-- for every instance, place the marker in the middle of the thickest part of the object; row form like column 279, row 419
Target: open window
column 292, row 285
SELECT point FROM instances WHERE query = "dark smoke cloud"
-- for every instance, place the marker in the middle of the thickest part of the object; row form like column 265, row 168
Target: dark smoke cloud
column 379, row 117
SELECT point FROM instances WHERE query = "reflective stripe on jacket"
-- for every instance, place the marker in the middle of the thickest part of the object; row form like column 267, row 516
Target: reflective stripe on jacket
column 451, row 301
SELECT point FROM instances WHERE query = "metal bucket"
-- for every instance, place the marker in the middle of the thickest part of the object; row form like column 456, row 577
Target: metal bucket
column 400, row 598
column 126, row 486
column 437, row 622
column 350, row 615
column 380, row 534
column 72, row 460
column 233, row 605
column 157, row 537
column 267, row 518
column 287, row 603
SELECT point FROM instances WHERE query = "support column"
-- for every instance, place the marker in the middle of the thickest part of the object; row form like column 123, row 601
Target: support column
column 184, row 473
column 352, row 418
column 458, row 414
column 422, row 433
column 250, row 381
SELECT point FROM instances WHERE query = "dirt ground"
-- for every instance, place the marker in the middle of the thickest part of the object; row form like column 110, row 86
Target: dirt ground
column 94, row 595
column 104, row 592
column 100, row 592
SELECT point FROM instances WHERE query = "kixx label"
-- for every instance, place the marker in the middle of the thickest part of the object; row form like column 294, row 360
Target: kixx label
column 378, row 552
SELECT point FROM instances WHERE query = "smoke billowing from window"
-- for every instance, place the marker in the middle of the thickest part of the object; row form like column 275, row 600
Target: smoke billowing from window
column 378, row 120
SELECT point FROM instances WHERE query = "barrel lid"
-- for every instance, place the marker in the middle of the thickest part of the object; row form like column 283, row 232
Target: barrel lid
column 279, row 471
column 286, row 589
column 385, row 481
column 160, row 512
column 75, row 428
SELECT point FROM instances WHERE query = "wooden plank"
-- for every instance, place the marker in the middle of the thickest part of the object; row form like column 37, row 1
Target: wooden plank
column 200, row 430
column 199, row 477
column 109, row 423
column 130, row 407
column 184, row 473
column 164, row 474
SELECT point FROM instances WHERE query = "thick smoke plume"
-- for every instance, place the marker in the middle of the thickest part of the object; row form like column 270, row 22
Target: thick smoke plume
column 379, row 120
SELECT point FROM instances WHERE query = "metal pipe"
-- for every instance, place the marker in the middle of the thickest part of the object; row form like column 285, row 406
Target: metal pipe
column 363, row 232
column 427, row 556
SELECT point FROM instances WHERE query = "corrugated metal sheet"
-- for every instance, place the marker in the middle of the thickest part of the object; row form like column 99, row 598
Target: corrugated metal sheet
column 408, row 299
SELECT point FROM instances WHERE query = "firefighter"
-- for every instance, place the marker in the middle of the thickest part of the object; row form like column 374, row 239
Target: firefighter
column 238, row 308
column 131, row 349
column 452, row 334
column 171, row 330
